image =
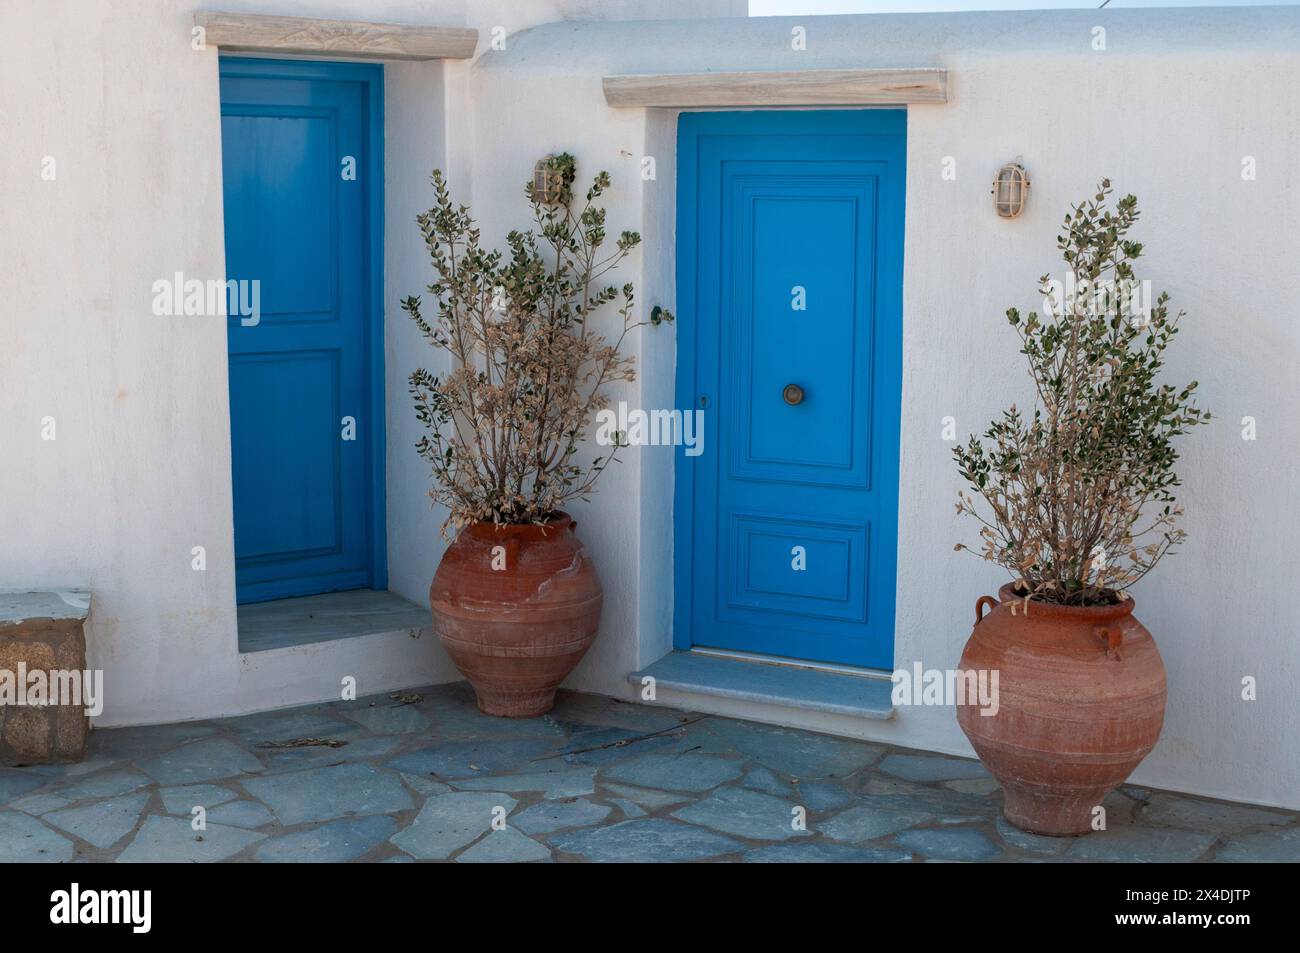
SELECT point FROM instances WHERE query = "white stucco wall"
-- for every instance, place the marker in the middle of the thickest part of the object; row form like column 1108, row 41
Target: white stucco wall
column 139, row 473
column 1168, row 111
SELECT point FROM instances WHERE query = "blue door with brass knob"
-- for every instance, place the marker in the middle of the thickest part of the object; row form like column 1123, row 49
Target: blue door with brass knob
column 790, row 249
column 302, row 176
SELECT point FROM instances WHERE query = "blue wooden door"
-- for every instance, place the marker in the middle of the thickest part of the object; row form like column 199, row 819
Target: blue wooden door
column 302, row 170
column 790, row 239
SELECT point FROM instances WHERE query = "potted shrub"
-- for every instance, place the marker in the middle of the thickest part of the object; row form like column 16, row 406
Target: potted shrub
column 516, row 601
column 1077, row 502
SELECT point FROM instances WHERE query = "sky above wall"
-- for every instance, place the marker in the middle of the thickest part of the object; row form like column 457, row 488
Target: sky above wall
column 775, row 8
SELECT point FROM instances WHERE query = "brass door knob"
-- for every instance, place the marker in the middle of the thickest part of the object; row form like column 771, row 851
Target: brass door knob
column 792, row 394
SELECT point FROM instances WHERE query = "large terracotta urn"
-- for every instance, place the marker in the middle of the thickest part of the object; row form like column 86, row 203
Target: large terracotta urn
column 1081, row 700
column 516, row 608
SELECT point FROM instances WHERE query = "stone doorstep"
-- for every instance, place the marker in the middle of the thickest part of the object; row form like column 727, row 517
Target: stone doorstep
column 787, row 686
column 308, row 620
column 42, row 631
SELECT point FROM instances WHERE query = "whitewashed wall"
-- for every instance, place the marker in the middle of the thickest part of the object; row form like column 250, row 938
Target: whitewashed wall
column 139, row 473
column 1168, row 111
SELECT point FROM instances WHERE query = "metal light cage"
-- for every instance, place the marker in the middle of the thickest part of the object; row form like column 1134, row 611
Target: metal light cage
column 548, row 183
column 1010, row 190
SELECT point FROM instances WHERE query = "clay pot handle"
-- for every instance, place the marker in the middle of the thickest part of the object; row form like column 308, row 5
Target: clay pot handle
column 980, row 603
column 1111, row 638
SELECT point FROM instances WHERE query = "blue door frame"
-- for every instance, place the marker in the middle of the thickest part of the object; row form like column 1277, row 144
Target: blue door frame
column 309, row 501
column 789, row 271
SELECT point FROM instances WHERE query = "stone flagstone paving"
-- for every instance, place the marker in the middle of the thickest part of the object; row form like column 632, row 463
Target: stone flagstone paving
column 596, row 780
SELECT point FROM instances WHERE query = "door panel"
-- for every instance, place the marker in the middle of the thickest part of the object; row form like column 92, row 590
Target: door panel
column 287, row 491
column 789, row 273
column 279, row 181
column 305, row 491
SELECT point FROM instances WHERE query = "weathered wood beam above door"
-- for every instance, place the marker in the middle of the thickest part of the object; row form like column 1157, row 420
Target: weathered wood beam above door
column 815, row 87
column 255, row 33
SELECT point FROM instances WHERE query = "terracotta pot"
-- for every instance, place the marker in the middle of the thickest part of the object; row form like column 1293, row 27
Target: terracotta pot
column 1081, row 695
column 516, row 632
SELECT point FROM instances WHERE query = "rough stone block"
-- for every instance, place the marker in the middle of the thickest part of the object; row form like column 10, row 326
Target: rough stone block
column 42, row 632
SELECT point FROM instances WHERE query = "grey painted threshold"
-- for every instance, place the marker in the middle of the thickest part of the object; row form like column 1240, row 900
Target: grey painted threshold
column 772, row 684
column 283, row 623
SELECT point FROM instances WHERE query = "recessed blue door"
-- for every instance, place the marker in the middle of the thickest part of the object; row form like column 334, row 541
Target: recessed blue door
column 790, row 239
column 302, row 169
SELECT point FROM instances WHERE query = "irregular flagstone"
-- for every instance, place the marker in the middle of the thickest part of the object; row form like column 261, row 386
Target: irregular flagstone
column 696, row 738
column 103, row 823
column 550, row 816
column 590, row 736
column 246, row 814
column 677, row 772
column 1196, row 815
column 16, row 783
column 425, row 786
column 104, row 784
column 955, row 844
column 288, row 724
column 448, row 695
column 819, row 852
column 87, row 765
column 1272, row 847
column 599, row 713
column 799, row 754
column 952, row 805
column 916, row 767
column 25, row 840
column 171, row 840
column 333, row 843
column 467, row 759
column 448, row 822
column 204, row 760
column 48, row 773
column 470, row 724
column 649, row 799
column 646, row 718
column 578, row 712
column 1142, row 845
column 875, row 785
column 651, row 840
column 184, row 799
column 38, row 804
column 1036, row 843
column 866, row 822
column 762, row 779
column 128, row 744
column 722, row 780
column 586, row 748
column 977, row 786
column 322, row 794
column 390, row 718
column 743, row 813
column 630, row 811
column 821, row 796
column 506, row 846
column 567, row 782
column 296, row 759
